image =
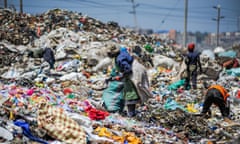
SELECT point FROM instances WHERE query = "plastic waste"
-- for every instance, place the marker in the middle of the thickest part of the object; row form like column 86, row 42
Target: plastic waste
column 176, row 85
column 148, row 48
column 170, row 104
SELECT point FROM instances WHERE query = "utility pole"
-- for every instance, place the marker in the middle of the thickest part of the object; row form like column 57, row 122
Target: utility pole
column 21, row 6
column 5, row 3
column 218, row 7
column 134, row 13
column 238, row 25
column 185, row 24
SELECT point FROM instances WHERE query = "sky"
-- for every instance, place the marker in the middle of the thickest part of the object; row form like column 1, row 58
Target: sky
column 150, row 14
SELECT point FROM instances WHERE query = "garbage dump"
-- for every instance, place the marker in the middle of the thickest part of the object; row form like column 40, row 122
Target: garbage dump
column 39, row 104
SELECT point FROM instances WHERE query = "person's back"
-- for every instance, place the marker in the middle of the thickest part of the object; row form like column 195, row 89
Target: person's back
column 193, row 57
column 124, row 61
column 48, row 56
column 216, row 94
column 192, row 61
column 35, row 53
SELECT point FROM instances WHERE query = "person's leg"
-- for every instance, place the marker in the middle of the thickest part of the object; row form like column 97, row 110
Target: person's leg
column 131, row 110
column 222, row 106
column 194, row 79
column 187, row 81
column 51, row 63
column 207, row 102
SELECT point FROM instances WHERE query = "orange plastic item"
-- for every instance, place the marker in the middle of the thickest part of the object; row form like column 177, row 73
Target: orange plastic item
column 238, row 94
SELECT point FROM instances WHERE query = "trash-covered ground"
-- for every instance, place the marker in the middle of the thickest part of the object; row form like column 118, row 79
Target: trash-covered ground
column 58, row 106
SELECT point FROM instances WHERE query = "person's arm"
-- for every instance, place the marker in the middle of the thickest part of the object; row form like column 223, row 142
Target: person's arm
column 227, row 104
column 199, row 64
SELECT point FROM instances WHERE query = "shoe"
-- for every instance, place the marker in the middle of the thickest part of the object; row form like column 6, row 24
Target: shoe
column 131, row 114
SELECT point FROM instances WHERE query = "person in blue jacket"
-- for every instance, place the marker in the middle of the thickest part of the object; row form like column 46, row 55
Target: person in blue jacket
column 124, row 64
column 123, row 71
column 192, row 61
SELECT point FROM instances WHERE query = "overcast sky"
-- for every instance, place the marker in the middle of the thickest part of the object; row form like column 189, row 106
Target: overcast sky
column 153, row 14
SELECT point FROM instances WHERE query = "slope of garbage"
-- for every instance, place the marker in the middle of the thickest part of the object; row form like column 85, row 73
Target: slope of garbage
column 59, row 106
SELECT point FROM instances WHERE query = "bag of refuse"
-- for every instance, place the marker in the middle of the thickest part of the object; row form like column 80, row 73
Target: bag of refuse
column 230, row 53
column 72, row 65
column 233, row 72
column 166, row 62
column 60, row 53
column 140, row 80
column 232, row 63
column 113, row 96
column 72, row 76
column 103, row 64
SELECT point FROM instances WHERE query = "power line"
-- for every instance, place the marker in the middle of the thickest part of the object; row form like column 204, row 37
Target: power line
column 166, row 16
column 218, row 7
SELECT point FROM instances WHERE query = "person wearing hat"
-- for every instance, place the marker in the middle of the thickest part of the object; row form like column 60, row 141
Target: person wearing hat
column 192, row 61
column 122, row 72
column 218, row 95
column 124, row 62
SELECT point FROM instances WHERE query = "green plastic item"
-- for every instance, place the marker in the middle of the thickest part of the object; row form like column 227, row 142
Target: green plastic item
column 176, row 85
column 71, row 96
column 170, row 104
column 148, row 48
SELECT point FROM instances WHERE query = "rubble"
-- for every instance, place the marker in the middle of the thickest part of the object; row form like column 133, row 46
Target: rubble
column 80, row 44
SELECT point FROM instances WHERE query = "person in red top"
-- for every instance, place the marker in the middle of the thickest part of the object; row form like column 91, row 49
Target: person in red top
column 217, row 95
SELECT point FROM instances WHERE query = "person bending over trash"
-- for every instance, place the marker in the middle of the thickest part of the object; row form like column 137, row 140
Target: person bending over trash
column 218, row 95
column 192, row 61
column 122, row 73
column 124, row 62
column 47, row 54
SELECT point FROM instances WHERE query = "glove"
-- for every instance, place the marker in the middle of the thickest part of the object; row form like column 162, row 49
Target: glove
column 118, row 78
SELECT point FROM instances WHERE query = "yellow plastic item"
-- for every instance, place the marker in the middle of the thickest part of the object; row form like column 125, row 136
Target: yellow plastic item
column 103, row 132
column 118, row 138
column 41, row 85
column 11, row 117
column 190, row 108
column 77, row 57
column 130, row 137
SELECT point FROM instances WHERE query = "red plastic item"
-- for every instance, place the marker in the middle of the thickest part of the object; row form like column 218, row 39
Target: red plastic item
column 67, row 91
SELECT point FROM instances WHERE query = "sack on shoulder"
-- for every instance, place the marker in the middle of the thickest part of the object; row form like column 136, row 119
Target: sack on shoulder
column 192, row 67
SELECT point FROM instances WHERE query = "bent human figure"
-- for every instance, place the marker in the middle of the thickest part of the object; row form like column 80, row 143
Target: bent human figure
column 217, row 95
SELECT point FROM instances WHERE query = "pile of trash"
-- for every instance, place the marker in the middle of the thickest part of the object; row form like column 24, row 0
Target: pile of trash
column 58, row 106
